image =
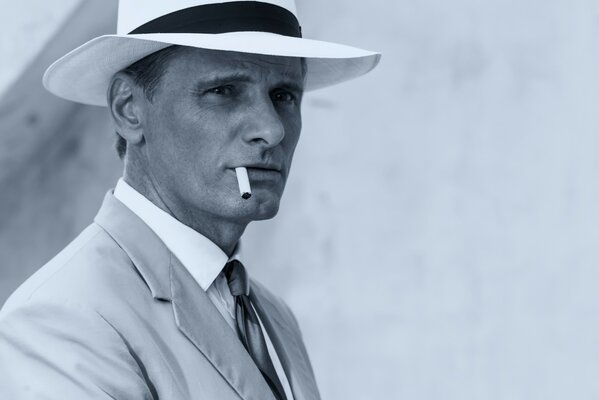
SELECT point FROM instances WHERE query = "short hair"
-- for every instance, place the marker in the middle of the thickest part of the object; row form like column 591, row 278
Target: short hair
column 146, row 73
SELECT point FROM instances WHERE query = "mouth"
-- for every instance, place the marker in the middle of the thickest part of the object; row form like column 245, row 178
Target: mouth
column 264, row 167
column 257, row 174
column 262, row 173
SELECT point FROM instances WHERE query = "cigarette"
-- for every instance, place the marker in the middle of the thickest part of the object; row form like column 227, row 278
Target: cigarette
column 244, row 182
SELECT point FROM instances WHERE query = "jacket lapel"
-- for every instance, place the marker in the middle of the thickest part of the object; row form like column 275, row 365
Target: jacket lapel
column 199, row 320
column 195, row 315
column 287, row 342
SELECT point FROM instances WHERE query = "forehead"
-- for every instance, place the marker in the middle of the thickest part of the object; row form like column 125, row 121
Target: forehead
column 192, row 62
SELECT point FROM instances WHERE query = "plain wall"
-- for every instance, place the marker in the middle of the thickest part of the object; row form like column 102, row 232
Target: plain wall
column 438, row 237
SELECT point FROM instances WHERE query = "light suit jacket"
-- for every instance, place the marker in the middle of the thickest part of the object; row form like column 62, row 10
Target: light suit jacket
column 116, row 316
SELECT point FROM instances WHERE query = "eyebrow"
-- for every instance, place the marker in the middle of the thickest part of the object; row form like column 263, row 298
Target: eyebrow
column 287, row 82
column 220, row 79
column 292, row 86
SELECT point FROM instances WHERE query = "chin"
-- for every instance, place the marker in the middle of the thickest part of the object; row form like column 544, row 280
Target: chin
column 265, row 216
column 265, row 212
column 260, row 209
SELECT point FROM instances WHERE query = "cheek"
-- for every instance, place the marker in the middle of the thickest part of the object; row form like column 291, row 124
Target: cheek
column 293, row 129
column 176, row 128
column 170, row 145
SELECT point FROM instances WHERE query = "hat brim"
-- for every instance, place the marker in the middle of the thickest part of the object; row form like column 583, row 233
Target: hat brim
column 83, row 75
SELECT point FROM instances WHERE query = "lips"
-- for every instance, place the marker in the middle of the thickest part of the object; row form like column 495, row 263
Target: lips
column 266, row 167
column 260, row 173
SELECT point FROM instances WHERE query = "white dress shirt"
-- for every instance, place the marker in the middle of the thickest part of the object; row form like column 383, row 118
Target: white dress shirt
column 200, row 256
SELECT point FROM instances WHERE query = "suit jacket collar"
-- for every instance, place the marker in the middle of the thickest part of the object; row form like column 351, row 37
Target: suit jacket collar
column 147, row 252
column 199, row 320
column 204, row 326
column 202, row 257
column 195, row 315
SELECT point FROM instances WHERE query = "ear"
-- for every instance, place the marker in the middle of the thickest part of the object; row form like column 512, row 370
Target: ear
column 125, row 102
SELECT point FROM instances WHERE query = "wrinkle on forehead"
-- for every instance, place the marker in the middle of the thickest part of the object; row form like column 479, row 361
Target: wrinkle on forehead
column 266, row 66
column 289, row 67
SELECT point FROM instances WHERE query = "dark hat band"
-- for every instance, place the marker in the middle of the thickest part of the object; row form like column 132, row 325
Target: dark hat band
column 236, row 16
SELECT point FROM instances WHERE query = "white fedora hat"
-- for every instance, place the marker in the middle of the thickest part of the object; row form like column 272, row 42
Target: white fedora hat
column 267, row 27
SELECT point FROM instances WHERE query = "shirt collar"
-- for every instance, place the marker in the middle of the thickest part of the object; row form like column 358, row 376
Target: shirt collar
column 203, row 259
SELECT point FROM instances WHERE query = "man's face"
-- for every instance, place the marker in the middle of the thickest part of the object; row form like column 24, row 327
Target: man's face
column 214, row 111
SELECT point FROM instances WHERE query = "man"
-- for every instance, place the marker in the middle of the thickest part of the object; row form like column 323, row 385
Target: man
column 152, row 300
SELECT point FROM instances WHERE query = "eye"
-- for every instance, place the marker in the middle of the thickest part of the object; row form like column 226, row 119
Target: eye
column 226, row 90
column 283, row 96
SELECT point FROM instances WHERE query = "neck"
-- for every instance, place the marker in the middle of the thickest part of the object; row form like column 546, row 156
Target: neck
column 225, row 234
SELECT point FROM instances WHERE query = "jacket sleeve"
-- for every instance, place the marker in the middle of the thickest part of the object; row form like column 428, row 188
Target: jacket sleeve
column 64, row 351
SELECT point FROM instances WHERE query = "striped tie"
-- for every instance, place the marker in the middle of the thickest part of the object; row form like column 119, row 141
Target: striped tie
column 248, row 326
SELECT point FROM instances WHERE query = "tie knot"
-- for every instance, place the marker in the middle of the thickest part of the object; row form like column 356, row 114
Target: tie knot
column 237, row 278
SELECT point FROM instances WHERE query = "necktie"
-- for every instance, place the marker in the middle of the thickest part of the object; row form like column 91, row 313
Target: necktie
column 248, row 326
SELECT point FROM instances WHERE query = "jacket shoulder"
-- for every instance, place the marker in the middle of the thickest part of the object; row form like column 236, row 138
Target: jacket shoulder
column 71, row 351
column 59, row 326
column 92, row 266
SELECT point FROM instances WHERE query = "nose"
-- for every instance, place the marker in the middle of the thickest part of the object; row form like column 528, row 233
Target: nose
column 262, row 124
